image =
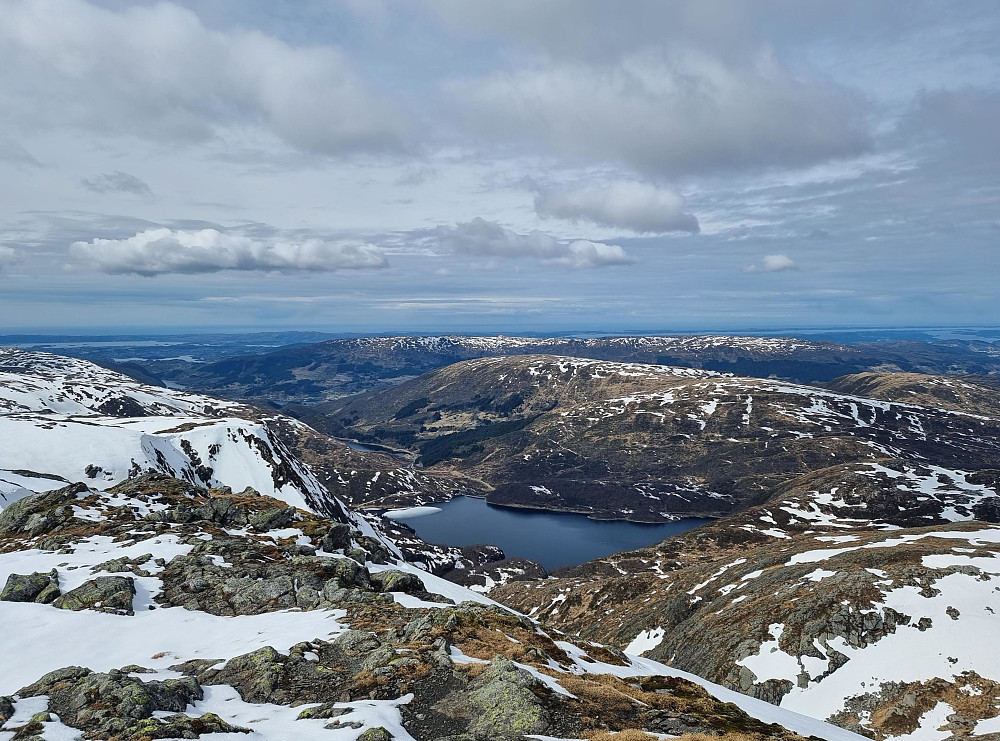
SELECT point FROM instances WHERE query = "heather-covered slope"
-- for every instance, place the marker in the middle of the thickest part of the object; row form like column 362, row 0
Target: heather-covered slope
column 881, row 632
column 649, row 442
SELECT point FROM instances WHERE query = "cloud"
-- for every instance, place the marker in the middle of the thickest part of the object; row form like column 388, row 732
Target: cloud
column 670, row 114
column 15, row 154
column 158, row 251
column 968, row 120
column 8, row 255
column 641, row 207
column 118, row 182
column 158, row 73
column 772, row 264
column 483, row 238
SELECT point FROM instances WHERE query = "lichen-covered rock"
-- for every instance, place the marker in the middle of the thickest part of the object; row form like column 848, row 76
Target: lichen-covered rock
column 256, row 578
column 115, row 704
column 265, row 675
column 224, row 511
column 394, row 580
column 40, row 513
column 105, row 593
column 38, row 587
column 272, row 519
column 503, row 703
column 45, row 685
column 124, row 564
column 375, row 734
column 325, row 711
column 180, row 725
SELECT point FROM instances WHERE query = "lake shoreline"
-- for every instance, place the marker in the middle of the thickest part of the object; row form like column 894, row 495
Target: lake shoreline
column 553, row 539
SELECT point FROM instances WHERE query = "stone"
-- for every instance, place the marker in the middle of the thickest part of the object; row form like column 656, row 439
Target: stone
column 104, row 593
column 38, row 587
column 224, row 511
column 377, row 550
column 337, row 538
column 272, row 519
column 115, row 704
column 378, row 733
column 6, row 708
column 40, row 513
column 393, row 580
column 325, row 711
column 504, row 702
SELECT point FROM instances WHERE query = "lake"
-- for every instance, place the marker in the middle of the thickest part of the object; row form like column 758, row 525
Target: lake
column 552, row 539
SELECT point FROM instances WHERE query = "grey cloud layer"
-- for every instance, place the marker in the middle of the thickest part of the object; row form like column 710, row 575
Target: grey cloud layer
column 158, row 72
column 481, row 238
column 670, row 115
column 159, row 251
column 117, row 182
column 766, row 161
column 641, row 207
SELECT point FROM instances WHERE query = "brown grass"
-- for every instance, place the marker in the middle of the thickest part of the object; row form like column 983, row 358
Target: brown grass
column 629, row 734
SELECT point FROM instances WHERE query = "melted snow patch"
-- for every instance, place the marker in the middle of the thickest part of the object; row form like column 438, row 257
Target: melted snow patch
column 647, row 640
column 770, row 661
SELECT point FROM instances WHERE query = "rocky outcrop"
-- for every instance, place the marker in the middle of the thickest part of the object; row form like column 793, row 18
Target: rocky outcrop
column 37, row 587
column 105, row 593
column 502, row 703
column 40, row 513
column 119, row 705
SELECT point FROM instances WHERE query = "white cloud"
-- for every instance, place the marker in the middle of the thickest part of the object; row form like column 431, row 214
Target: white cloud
column 157, row 72
column 159, row 251
column 772, row 264
column 686, row 112
column 117, row 182
column 641, row 207
column 483, row 238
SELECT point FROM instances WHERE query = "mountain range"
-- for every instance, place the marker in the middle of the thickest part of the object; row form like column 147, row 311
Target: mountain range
column 176, row 564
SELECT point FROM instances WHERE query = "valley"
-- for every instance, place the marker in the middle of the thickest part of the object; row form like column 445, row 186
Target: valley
column 841, row 581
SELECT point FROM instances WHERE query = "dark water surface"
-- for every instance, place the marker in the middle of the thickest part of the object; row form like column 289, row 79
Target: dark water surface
column 552, row 539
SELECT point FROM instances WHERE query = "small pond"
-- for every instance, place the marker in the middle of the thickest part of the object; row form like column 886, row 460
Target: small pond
column 552, row 539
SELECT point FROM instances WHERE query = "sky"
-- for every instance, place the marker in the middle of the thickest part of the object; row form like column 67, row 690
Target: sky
column 456, row 165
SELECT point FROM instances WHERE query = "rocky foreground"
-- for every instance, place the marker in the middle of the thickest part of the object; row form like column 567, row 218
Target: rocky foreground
column 866, row 594
column 160, row 609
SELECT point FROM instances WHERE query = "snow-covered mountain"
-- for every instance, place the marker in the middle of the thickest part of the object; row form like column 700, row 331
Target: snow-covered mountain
column 650, row 442
column 160, row 608
column 336, row 368
column 64, row 420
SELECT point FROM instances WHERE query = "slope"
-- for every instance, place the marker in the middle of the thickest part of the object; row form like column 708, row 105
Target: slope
column 648, row 442
column 159, row 607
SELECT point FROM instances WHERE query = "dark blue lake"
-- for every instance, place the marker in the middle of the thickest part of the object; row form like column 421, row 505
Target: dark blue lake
column 552, row 539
